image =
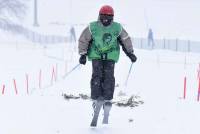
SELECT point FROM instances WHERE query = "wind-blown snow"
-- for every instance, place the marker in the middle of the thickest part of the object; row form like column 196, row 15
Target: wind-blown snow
column 167, row 18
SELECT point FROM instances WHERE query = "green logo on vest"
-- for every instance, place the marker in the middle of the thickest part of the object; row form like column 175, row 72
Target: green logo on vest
column 106, row 45
column 107, row 38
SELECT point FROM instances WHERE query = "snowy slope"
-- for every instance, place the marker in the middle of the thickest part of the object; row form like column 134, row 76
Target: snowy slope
column 157, row 78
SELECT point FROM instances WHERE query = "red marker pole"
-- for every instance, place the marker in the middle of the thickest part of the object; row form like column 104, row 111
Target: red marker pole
column 185, row 86
column 3, row 89
column 15, row 86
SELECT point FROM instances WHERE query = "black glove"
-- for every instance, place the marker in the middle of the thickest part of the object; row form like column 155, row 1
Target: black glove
column 132, row 57
column 82, row 59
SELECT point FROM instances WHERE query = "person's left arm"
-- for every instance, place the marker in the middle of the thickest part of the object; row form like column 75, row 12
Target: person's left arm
column 127, row 46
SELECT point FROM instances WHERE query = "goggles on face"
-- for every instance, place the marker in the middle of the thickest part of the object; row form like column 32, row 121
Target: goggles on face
column 106, row 17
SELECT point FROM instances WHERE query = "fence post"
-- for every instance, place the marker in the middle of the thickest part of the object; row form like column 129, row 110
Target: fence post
column 33, row 37
column 185, row 62
column 184, row 90
column 198, row 95
column 164, row 43
column 53, row 75
column 141, row 43
column 188, row 45
column 176, row 45
column 168, row 44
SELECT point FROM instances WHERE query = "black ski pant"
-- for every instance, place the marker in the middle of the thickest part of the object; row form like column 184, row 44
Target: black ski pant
column 103, row 80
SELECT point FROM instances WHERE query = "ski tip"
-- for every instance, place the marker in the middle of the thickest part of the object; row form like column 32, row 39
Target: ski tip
column 93, row 126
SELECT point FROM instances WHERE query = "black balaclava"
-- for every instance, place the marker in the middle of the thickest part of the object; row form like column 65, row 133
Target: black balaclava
column 105, row 19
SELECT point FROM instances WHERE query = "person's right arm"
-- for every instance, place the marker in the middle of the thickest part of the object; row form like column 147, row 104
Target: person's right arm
column 83, row 44
column 84, row 41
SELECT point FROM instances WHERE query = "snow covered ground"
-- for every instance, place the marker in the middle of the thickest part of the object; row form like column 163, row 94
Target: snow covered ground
column 157, row 77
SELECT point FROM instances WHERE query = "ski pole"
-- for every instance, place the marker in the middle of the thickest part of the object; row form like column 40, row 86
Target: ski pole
column 71, row 70
column 122, row 93
column 129, row 72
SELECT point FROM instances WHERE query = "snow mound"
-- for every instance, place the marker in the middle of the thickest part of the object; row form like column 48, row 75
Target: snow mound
column 120, row 101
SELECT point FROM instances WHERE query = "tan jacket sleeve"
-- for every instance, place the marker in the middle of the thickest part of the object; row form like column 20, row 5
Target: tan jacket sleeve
column 84, row 41
column 125, row 41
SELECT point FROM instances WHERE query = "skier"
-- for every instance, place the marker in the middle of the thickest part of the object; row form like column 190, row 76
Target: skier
column 100, row 43
column 73, row 37
column 150, row 38
column 72, row 34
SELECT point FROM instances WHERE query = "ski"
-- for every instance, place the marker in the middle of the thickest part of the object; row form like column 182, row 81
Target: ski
column 97, row 109
column 106, row 112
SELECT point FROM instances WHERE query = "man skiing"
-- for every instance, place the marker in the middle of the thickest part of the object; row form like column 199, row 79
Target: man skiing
column 100, row 42
column 72, row 34
column 150, row 38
